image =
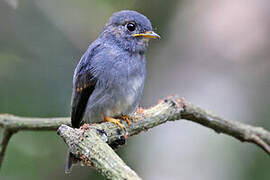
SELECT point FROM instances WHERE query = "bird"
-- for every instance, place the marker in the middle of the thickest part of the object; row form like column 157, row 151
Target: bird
column 109, row 79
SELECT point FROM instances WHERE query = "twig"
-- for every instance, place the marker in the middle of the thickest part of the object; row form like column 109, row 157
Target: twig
column 6, row 137
column 15, row 123
column 12, row 124
column 241, row 131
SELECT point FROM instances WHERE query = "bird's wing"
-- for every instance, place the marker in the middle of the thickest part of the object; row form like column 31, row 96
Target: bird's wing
column 83, row 89
column 83, row 86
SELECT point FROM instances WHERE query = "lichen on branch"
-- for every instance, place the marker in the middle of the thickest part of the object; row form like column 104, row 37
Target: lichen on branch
column 170, row 109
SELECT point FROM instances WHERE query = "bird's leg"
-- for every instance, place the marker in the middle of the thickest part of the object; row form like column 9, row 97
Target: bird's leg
column 114, row 121
column 126, row 118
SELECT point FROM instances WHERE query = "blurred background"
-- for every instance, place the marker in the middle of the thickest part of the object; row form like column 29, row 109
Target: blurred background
column 216, row 54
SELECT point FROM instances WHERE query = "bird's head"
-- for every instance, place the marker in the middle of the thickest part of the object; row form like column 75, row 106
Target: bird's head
column 129, row 30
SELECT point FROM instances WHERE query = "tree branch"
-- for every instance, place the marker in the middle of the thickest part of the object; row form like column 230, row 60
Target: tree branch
column 167, row 110
column 241, row 131
column 15, row 123
column 89, row 145
column 6, row 137
column 12, row 124
column 175, row 109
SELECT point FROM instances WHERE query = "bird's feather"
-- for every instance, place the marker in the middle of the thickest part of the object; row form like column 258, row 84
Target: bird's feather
column 80, row 98
column 83, row 86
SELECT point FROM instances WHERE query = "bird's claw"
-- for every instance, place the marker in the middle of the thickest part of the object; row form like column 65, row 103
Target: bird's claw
column 114, row 121
column 126, row 118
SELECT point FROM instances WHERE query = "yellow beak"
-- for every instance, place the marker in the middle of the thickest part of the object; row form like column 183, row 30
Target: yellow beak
column 148, row 34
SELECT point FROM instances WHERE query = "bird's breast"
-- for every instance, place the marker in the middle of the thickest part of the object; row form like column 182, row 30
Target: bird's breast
column 134, row 89
column 129, row 89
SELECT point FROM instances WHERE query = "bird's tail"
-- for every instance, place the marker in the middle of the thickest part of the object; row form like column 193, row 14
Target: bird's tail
column 70, row 161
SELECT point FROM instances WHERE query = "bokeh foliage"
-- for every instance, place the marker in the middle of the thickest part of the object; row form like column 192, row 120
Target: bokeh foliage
column 42, row 41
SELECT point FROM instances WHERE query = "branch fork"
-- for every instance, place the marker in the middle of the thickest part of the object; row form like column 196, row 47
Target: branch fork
column 93, row 144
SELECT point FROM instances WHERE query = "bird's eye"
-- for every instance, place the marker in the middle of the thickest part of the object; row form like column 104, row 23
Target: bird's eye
column 131, row 26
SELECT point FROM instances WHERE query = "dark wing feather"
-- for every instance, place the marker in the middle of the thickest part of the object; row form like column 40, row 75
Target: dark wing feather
column 84, row 85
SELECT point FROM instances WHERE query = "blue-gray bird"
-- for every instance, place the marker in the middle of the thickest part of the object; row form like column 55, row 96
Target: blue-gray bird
column 109, row 79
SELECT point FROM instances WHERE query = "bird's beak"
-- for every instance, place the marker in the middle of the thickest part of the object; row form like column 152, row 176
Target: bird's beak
column 148, row 34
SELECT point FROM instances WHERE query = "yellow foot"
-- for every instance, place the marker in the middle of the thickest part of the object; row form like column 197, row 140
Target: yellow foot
column 126, row 118
column 114, row 121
